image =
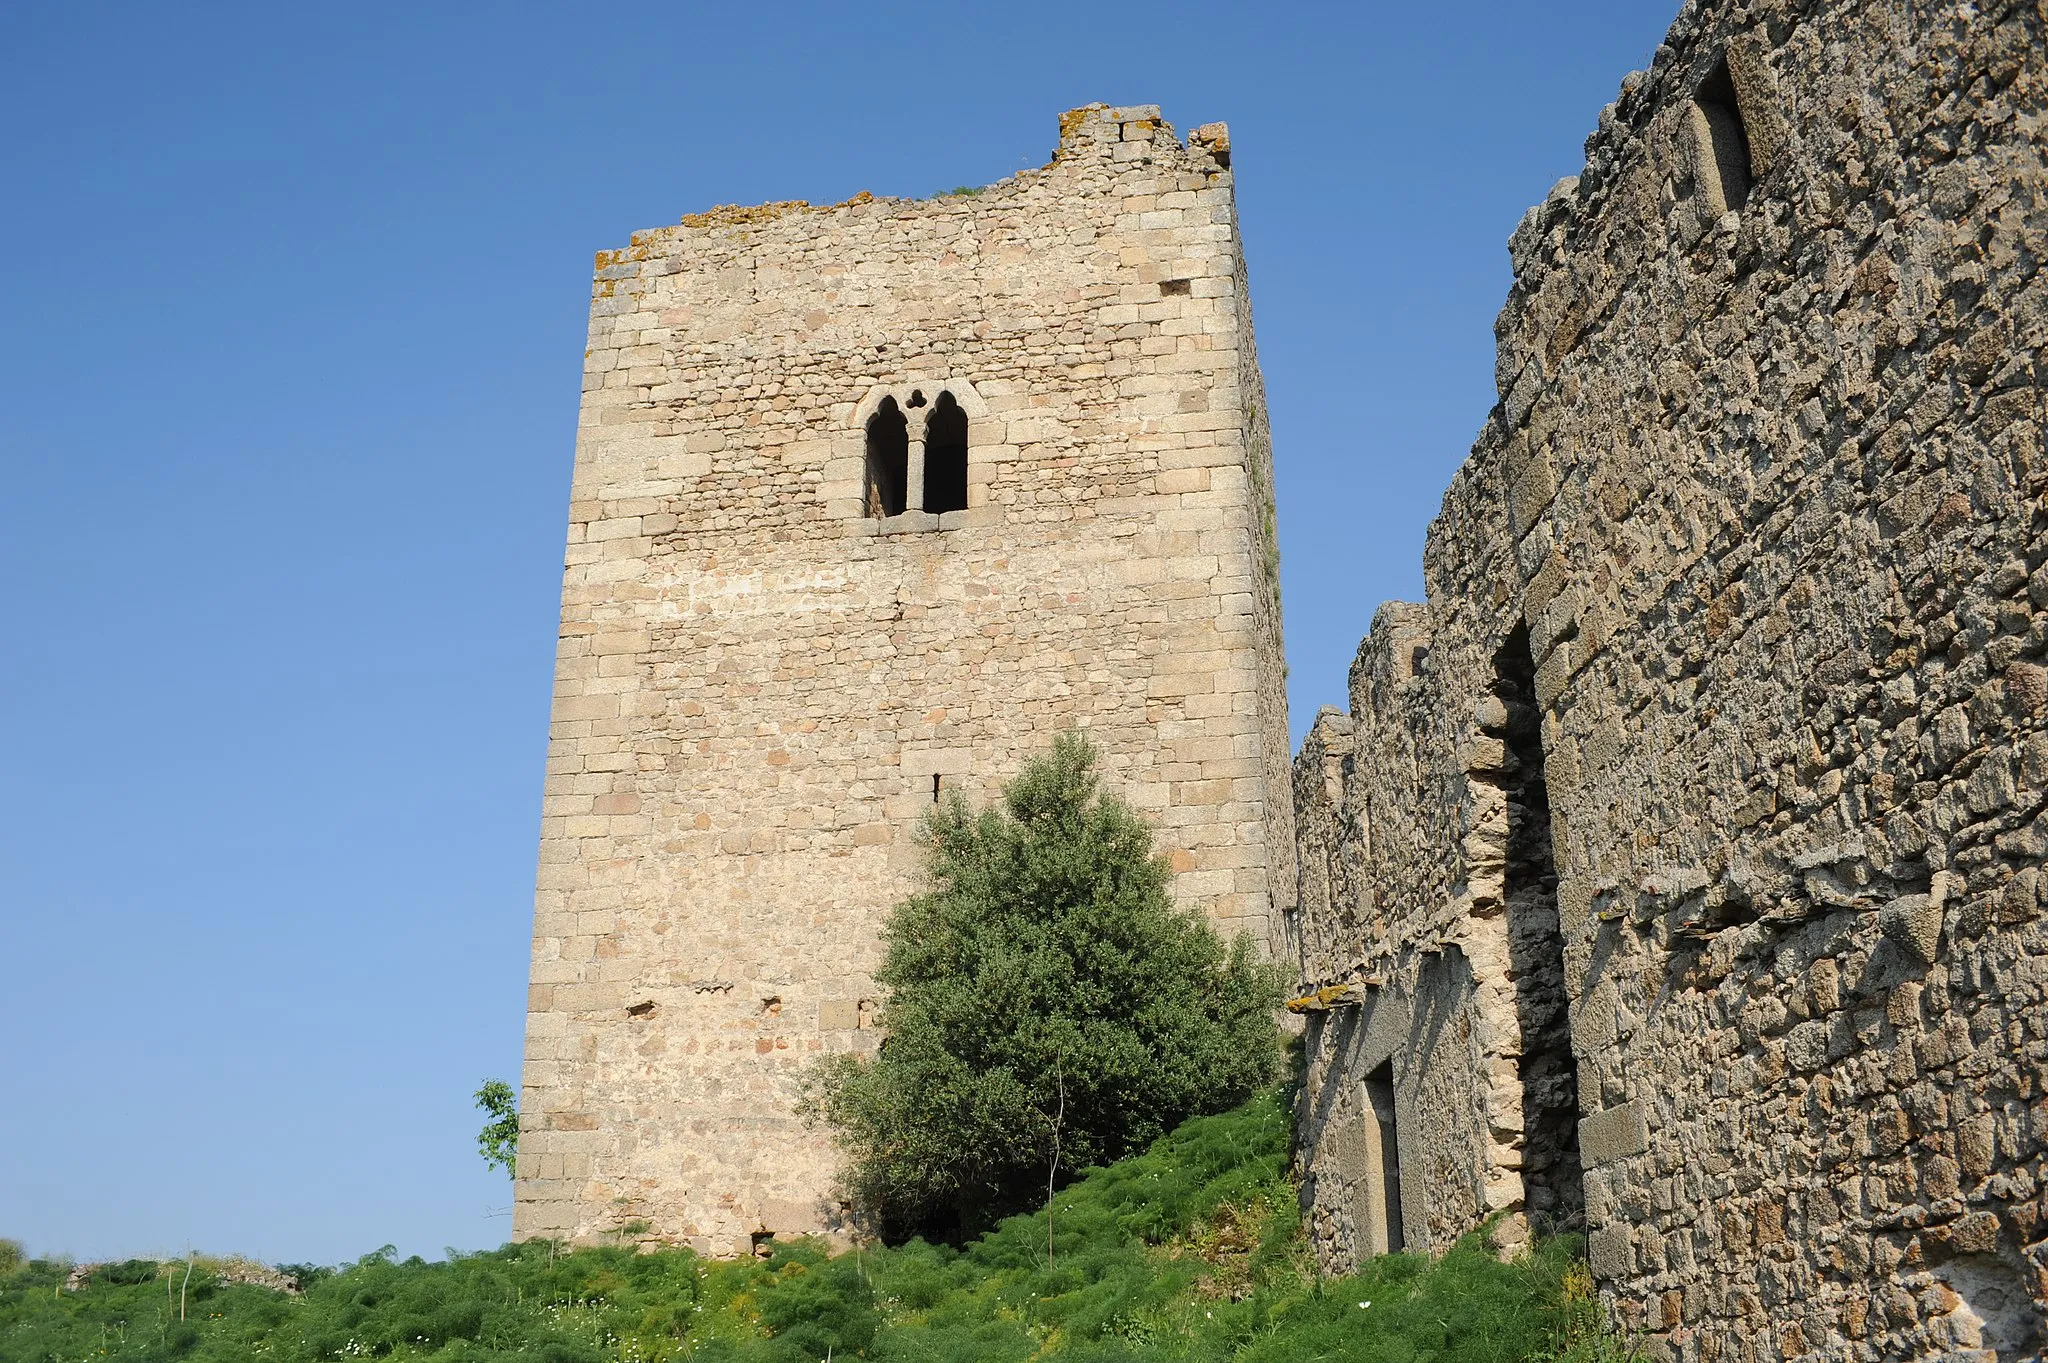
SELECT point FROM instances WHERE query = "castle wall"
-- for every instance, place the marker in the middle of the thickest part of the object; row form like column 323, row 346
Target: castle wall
column 762, row 688
column 1763, row 500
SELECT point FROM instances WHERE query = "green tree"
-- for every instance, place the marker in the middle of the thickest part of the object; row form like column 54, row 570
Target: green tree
column 498, row 1142
column 1048, row 1008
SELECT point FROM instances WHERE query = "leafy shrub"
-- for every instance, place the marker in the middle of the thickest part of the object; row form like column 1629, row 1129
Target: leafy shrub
column 127, row 1272
column 305, row 1275
column 1048, row 1008
column 498, row 1142
column 825, row 1307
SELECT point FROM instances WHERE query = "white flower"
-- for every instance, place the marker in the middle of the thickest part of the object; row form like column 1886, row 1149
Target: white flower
column 1362, row 1305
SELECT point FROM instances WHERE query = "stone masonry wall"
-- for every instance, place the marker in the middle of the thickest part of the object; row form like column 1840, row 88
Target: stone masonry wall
column 1763, row 499
column 762, row 688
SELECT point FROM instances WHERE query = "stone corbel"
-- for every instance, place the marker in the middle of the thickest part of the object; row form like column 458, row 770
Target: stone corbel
column 1347, row 995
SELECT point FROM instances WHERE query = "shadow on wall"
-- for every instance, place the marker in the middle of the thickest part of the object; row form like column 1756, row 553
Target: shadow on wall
column 1553, row 1184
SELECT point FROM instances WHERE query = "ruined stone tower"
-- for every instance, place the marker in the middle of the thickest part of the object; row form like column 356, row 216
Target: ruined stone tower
column 870, row 501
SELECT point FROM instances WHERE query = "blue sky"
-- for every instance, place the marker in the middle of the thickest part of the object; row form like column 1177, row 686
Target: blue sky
column 292, row 306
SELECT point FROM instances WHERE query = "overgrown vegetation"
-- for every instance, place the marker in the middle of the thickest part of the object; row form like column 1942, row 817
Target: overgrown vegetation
column 1048, row 1008
column 1191, row 1251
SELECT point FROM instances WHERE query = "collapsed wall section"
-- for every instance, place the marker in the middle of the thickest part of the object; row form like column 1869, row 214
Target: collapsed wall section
column 792, row 621
column 1764, row 491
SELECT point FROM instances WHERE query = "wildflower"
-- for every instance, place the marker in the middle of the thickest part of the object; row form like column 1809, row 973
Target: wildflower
column 1362, row 1305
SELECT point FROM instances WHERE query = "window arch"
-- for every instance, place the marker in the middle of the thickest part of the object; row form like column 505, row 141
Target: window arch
column 903, row 460
column 888, row 460
column 945, row 456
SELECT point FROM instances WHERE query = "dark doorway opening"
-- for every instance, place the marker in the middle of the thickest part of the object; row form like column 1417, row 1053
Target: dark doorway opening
column 1384, row 1234
column 888, row 460
column 1552, row 1177
column 945, row 457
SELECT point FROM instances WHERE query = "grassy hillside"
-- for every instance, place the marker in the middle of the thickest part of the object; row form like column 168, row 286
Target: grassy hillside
column 1190, row 1251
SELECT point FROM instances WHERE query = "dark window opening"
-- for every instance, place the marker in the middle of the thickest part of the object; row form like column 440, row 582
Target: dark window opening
column 888, row 460
column 1176, row 287
column 1384, row 1232
column 1552, row 1178
column 763, row 1244
column 640, row 1010
column 1723, row 141
column 945, row 457
column 935, row 787
column 917, row 397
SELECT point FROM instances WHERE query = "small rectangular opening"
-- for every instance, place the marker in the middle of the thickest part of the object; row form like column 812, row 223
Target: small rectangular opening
column 1172, row 288
column 1721, row 140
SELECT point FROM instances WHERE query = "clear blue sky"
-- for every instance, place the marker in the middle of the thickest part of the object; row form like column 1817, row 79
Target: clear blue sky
column 292, row 306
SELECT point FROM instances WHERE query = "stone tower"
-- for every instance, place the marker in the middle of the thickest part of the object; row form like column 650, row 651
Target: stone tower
column 870, row 501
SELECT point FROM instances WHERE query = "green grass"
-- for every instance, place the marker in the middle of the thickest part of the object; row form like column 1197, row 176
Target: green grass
column 1191, row 1251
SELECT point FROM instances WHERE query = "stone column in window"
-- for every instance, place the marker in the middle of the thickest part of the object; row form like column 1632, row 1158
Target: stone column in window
column 913, row 482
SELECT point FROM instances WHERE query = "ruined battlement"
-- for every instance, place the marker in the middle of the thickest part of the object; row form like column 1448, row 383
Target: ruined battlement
column 1098, row 133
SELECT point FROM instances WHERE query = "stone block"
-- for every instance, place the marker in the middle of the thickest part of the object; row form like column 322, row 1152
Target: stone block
column 1554, row 674
column 1615, row 1133
column 1913, row 924
column 790, row 1216
column 1610, row 1253
column 1535, row 485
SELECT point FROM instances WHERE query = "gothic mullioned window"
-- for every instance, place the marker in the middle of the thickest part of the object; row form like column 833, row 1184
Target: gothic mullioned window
column 915, row 451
